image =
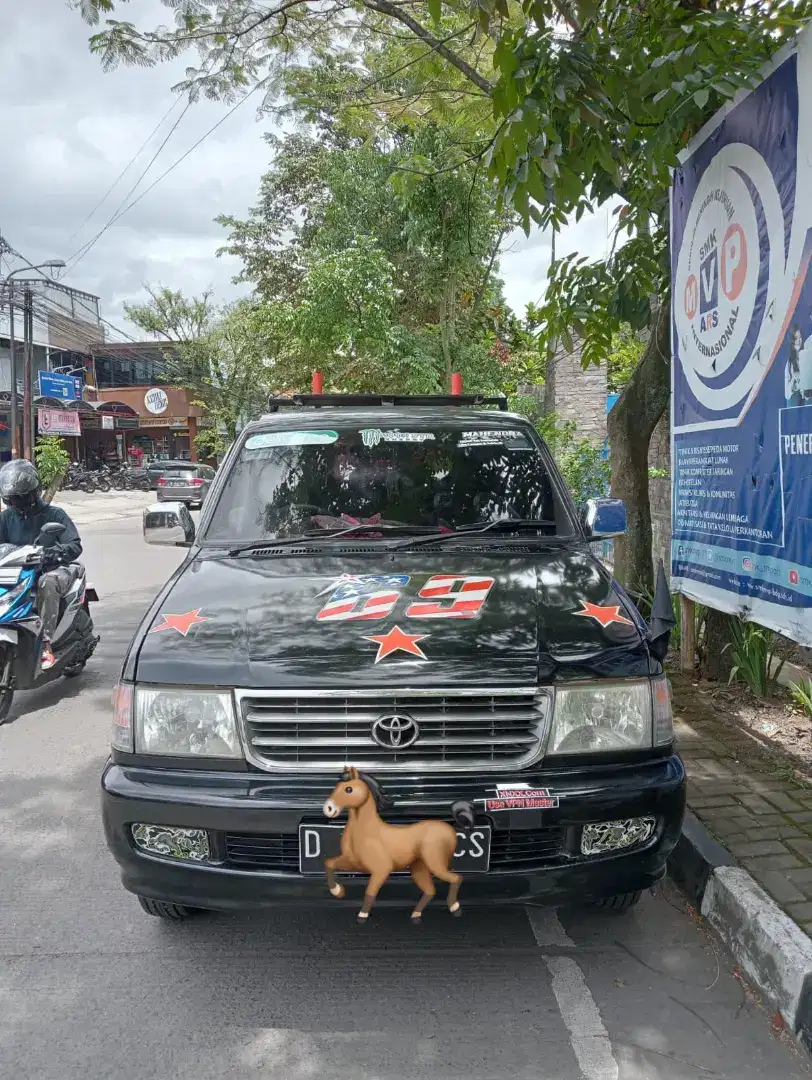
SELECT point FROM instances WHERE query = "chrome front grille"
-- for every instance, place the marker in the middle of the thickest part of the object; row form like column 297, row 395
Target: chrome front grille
column 488, row 730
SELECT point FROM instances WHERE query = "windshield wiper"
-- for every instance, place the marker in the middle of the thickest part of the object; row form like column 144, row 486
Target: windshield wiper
column 501, row 525
column 315, row 535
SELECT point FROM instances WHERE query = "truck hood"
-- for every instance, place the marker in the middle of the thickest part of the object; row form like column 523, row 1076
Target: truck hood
column 255, row 622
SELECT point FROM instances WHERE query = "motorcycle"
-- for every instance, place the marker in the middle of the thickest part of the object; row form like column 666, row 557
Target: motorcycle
column 78, row 479
column 74, row 639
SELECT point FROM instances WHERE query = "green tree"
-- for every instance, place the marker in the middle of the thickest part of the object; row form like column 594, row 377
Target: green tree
column 218, row 356
column 379, row 276
column 590, row 101
column 52, row 460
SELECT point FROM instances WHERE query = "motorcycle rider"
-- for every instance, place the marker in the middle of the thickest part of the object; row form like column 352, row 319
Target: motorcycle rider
column 21, row 523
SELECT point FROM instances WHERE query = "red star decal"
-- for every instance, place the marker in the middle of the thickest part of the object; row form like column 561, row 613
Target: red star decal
column 182, row 623
column 395, row 640
column 605, row 615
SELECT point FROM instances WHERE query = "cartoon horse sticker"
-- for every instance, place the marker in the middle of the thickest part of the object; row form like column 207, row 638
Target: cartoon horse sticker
column 370, row 845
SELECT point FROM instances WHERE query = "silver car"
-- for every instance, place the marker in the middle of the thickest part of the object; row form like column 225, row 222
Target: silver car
column 185, row 482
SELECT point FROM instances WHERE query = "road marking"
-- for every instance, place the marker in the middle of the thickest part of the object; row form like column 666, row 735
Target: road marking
column 588, row 1037
column 547, row 928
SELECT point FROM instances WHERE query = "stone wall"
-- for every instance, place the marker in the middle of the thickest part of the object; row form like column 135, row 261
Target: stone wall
column 577, row 394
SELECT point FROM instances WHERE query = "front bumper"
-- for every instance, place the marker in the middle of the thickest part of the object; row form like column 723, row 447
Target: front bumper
column 271, row 808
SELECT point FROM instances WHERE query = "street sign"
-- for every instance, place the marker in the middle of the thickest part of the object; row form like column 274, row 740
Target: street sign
column 67, row 387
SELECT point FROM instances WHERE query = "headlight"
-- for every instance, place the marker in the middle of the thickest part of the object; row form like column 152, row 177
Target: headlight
column 185, row 723
column 596, row 719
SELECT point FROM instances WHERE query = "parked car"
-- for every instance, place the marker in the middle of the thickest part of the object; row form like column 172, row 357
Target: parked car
column 403, row 586
column 156, row 469
column 185, row 482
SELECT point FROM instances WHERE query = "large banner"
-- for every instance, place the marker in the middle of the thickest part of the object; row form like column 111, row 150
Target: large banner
column 741, row 405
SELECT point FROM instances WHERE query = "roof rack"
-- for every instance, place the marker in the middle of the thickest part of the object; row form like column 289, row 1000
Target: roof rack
column 324, row 401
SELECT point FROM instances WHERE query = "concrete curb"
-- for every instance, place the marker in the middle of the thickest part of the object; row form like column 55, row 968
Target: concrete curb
column 773, row 951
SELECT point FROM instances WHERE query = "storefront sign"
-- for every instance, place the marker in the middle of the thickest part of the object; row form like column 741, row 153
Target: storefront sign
column 108, row 423
column 156, row 401
column 164, row 421
column 58, row 422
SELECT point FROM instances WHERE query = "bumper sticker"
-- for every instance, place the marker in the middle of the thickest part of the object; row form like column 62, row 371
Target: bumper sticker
column 521, row 799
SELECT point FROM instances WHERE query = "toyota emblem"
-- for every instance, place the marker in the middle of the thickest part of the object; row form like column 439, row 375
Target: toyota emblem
column 395, row 731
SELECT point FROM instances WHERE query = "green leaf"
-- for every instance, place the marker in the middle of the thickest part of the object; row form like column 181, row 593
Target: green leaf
column 701, row 97
column 435, row 9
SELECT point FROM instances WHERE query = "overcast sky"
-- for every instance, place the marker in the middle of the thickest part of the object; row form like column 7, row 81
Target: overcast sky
column 68, row 130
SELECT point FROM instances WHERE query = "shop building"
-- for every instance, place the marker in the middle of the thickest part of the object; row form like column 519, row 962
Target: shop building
column 65, row 323
column 137, row 412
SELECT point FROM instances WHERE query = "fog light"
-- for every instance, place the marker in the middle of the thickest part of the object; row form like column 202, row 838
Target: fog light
column 191, row 845
column 603, row 836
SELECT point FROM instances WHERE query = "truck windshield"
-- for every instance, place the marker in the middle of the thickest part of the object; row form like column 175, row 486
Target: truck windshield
column 306, row 482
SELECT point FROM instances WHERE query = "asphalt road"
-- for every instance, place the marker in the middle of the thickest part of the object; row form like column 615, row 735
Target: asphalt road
column 91, row 988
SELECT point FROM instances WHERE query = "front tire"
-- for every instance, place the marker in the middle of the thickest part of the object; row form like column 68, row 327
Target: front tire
column 161, row 910
column 621, row 902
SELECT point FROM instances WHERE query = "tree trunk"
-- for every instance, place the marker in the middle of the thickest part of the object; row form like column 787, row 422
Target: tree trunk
column 631, row 423
column 51, row 490
column 716, row 660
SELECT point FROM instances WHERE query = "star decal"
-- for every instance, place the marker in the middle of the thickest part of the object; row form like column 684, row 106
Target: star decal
column 182, row 623
column 603, row 614
column 396, row 640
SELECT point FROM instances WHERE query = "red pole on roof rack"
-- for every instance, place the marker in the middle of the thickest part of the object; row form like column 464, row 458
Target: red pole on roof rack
column 456, row 382
column 318, row 382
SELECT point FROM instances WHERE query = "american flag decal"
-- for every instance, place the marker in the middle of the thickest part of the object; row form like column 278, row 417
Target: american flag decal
column 362, row 596
column 447, row 597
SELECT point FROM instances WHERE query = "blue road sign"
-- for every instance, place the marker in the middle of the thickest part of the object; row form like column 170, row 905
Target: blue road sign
column 67, row 387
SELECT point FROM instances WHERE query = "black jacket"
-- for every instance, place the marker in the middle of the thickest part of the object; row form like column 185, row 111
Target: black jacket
column 18, row 530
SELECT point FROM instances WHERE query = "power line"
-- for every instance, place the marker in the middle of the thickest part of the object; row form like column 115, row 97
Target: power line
column 77, row 258
column 8, row 249
column 80, row 253
column 126, row 168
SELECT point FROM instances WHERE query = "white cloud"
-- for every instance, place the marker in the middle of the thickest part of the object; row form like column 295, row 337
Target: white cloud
column 70, row 129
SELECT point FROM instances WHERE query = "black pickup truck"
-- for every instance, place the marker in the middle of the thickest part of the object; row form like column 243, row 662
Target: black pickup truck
column 402, row 585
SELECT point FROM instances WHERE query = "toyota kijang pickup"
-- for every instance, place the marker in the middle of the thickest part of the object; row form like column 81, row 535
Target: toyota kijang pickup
column 403, row 585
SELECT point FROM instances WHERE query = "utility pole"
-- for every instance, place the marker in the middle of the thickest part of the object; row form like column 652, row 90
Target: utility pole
column 28, row 334
column 28, row 340
column 12, row 354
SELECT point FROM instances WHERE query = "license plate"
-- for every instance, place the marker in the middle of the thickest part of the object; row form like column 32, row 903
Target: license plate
column 320, row 842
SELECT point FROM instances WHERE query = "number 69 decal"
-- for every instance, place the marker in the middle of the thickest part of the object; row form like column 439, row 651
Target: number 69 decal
column 450, row 598
column 371, row 597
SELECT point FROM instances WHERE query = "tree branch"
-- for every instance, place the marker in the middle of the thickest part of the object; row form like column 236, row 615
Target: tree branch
column 386, row 7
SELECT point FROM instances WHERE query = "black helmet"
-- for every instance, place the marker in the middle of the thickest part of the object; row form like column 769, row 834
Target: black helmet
column 20, row 485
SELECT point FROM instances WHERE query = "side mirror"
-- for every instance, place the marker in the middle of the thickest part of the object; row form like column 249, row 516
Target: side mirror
column 169, row 525
column 51, row 528
column 604, row 518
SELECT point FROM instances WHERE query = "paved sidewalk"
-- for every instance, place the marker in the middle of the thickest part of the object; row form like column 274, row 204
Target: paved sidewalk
column 753, row 802
column 87, row 509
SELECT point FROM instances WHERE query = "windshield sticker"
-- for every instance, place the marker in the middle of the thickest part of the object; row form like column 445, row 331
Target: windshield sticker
column 290, row 438
column 373, row 436
column 361, row 596
column 603, row 614
column 519, row 799
column 182, row 623
column 494, row 437
column 397, row 641
column 445, row 597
